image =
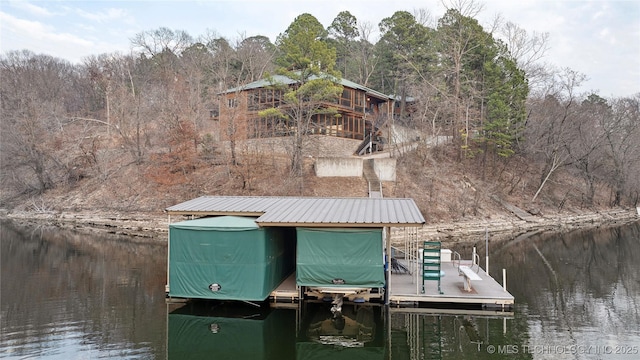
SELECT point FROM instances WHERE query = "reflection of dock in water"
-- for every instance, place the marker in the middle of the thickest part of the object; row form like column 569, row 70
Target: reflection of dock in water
column 208, row 329
column 234, row 330
column 357, row 332
column 430, row 334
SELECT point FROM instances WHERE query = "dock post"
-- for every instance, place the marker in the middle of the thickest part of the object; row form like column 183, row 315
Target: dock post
column 486, row 250
column 167, row 287
column 504, row 279
column 387, row 239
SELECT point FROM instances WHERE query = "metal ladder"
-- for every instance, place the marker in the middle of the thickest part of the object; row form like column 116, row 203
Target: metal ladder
column 431, row 262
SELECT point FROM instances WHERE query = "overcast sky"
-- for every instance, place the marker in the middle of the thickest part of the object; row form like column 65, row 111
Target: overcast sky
column 598, row 38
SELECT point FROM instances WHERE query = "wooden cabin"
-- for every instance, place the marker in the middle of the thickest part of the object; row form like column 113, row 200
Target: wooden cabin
column 361, row 111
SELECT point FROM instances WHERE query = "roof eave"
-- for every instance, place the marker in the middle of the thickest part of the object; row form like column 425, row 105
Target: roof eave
column 334, row 225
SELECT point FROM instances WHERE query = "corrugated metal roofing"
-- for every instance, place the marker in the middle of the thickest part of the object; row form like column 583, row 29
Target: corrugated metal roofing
column 306, row 211
column 274, row 80
column 281, row 79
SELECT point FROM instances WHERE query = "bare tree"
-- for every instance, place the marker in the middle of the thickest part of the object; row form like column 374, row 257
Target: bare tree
column 256, row 55
column 42, row 146
column 622, row 136
column 528, row 50
column 550, row 124
column 154, row 42
column 469, row 8
column 367, row 59
column 585, row 146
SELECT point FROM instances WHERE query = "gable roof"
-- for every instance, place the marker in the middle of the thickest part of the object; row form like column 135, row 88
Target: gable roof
column 307, row 211
column 285, row 80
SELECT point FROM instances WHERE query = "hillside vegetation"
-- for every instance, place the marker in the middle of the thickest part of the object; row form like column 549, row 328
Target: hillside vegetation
column 141, row 132
column 444, row 190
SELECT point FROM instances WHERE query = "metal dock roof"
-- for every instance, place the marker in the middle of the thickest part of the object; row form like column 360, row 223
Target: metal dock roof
column 307, row 211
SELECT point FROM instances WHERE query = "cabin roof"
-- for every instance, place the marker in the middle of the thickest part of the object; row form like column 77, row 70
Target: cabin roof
column 281, row 79
column 307, row 211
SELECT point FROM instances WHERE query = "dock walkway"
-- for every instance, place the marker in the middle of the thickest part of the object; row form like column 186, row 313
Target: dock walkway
column 406, row 290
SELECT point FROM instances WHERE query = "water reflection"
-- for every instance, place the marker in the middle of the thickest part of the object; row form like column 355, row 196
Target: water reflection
column 357, row 332
column 66, row 294
column 70, row 295
column 420, row 335
column 576, row 291
column 204, row 329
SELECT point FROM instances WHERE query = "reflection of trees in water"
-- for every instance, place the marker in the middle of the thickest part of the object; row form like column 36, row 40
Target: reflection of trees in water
column 418, row 335
column 105, row 287
column 583, row 279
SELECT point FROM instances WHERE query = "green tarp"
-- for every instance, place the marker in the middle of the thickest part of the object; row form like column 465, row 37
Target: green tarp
column 340, row 258
column 227, row 258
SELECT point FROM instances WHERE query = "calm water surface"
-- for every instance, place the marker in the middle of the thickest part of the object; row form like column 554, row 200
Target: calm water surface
column 66, row 295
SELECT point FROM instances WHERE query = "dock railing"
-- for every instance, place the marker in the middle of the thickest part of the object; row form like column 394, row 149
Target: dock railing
column 475, row 260
column 407, row 258
column 456, row 260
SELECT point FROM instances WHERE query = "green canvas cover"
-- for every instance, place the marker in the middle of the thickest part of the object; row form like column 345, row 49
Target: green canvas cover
column 232, row 255
column 327, row 256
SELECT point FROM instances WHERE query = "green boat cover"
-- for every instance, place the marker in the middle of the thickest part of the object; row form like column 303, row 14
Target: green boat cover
column 227, row 258
column 331, row 257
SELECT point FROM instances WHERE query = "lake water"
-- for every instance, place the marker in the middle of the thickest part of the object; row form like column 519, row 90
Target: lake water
column 66, row 295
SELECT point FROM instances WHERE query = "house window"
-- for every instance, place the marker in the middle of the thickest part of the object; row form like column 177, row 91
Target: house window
column 359, row 102
column 253, row 100
column 345, row 99
column 232, row 103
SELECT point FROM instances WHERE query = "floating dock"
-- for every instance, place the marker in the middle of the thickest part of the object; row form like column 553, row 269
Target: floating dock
column 287, row 291
column 406, row 291
column 340, row 248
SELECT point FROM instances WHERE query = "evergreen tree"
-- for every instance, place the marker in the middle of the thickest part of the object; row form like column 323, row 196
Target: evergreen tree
column 344, row 32
column 305, row 57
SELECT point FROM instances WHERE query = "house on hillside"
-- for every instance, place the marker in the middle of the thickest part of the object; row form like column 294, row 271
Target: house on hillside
column 362, row 112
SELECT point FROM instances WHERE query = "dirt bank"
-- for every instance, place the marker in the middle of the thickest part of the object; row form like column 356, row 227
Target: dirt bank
column 505, row 229
column 154, row 225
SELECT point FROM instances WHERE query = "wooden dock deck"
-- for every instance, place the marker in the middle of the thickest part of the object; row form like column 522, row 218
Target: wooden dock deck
column 406, row 290
column 286, row 291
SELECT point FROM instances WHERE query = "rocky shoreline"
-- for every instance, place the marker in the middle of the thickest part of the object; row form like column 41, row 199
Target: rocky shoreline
column 151, row 226
column 505, row 229
column 154, row 226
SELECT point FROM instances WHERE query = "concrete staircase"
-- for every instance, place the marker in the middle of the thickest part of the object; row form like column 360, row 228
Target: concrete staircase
column 375, row 186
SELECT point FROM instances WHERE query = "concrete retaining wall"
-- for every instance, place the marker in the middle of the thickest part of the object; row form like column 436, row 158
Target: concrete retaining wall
column 315, row 146
column 340, row 167
column 385, row 168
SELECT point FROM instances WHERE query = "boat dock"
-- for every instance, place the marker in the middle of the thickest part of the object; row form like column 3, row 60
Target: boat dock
column 340, row 248
column 287, row 291
column 405, row 290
